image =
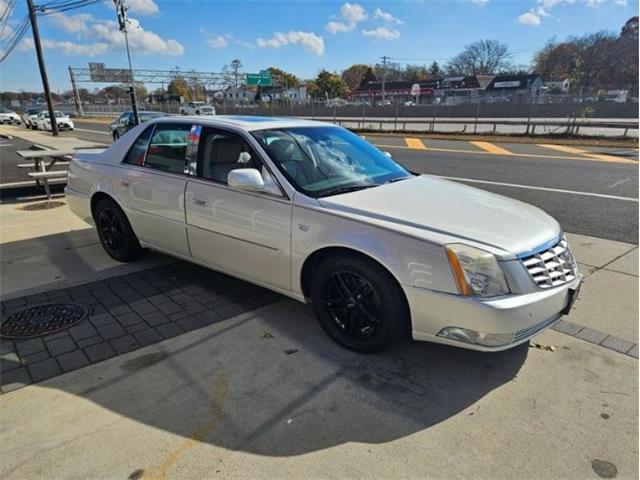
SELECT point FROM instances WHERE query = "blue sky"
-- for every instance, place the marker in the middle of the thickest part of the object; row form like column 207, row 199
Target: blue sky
column 299, row 36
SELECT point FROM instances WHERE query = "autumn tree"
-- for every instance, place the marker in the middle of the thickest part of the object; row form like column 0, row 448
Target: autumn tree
column 285, row 79
column 354, row 75
column 484, row 57
column 415, row 73
column 329, row 85
column 179, row 86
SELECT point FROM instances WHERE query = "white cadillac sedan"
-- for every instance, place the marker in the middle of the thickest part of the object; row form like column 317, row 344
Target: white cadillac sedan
column 316, row 213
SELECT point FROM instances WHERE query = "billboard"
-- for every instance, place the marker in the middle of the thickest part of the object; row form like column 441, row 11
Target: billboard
column 99, row 73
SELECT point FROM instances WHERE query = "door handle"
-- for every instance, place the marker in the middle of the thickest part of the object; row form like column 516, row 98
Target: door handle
column 200, row 202
column 124, row 184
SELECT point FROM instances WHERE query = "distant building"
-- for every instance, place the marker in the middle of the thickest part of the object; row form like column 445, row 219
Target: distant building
column 557, row 85
column 508, row 85
column 371, row 92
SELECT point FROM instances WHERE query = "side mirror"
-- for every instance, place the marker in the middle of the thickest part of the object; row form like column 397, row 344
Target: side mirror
column 125, row 121
column 248, row 179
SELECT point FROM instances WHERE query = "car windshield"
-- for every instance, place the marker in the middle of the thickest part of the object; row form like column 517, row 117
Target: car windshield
column 324, row 161
column 145, row 117
column 33, row 111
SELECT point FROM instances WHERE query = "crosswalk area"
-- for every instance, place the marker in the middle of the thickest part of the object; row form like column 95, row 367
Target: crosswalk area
column 537, row 150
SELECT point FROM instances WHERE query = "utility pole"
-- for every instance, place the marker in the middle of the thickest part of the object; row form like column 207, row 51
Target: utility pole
column 43, row 71
column 121, row 10
column 385, row 59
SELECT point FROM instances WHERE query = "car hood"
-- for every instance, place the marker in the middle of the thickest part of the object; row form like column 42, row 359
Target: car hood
column 445, row 211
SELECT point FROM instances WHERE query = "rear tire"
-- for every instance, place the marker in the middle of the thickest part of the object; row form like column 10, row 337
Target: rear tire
column 358, row 303
column 115, row 232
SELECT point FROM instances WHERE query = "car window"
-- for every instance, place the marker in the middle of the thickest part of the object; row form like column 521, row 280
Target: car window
column 168, row 148
column 220, row 152
column 136, row 153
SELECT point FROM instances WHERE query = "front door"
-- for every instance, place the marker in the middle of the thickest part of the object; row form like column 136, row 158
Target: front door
column 243, row 233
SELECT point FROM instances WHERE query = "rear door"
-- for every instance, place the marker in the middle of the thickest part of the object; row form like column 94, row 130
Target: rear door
column 153, row 184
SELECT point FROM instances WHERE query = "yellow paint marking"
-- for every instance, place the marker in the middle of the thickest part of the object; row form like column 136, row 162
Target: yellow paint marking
column 513, row 154
column 586, row 153
column 415, row 143
column 491, row 148
column 161, row 472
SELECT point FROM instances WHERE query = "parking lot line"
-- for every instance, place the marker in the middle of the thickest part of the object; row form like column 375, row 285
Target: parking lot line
column 533, row 187
column 415, row 143
column 491, row 148
column 92, row 131
column 514, row 154
column 579, row 151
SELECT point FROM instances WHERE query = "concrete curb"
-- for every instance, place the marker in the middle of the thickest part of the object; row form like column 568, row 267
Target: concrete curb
column 597, row 338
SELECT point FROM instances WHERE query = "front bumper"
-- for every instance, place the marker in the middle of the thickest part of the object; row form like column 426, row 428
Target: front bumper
column 515, row 317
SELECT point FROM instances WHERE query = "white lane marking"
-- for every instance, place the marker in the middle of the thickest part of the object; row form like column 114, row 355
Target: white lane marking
column 620, row 182
column 545, row 189
column 92, row 131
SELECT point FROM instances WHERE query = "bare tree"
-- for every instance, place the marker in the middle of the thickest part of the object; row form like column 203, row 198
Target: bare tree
column 236, row 65
column 484, row 57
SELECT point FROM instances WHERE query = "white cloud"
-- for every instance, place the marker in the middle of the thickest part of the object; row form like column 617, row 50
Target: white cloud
column 542, row 8
column 387, row 17
column 480, row 2
column 140, row 40
column 335, row 27
column 219, row 41
column 353, row 12
column 67, row 48
column 350, row 15
column 307, row 40
column 382, row 33
column 143, row 7
column 529, row 18
column 72, row 23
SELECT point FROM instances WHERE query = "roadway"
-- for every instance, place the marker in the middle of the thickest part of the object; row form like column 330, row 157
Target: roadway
column 591, row 190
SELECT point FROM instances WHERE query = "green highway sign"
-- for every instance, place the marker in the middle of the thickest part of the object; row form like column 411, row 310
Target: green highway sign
column 263, row 78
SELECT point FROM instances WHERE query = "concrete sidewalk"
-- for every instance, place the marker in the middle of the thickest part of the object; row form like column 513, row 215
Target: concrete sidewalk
column 46, row 140
column 230, row 401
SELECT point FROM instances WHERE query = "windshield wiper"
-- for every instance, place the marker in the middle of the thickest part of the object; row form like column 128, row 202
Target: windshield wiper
column 352, row 188
column 393, row 180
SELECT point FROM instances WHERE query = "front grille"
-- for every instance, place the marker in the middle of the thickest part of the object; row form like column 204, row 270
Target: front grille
column 552, row 267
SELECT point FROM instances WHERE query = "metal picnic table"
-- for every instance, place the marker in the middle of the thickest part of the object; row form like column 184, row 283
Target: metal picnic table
column 41, row 170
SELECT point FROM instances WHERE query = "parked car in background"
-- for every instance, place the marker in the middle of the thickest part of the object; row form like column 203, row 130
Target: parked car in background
column 197, row 108
column 383, row 103
column 62, row 119
column 29, row 117
column 9, row 116
column 126, row 121
column 315, row 212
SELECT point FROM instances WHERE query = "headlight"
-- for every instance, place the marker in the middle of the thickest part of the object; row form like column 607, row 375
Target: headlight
column 476, row 272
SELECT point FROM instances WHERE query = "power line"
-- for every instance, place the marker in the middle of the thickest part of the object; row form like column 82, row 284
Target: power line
column 14, row 40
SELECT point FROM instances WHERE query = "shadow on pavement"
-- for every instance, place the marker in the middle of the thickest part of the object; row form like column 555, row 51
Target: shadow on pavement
column 271, row 382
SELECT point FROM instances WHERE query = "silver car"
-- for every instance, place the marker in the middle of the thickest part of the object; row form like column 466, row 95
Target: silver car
column 316, row 213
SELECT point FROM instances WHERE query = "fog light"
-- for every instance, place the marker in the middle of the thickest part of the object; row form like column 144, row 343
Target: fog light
column 476, row 338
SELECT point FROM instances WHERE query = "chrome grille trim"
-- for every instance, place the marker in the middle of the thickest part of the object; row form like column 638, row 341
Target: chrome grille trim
column 552, row 267
column 528, row 332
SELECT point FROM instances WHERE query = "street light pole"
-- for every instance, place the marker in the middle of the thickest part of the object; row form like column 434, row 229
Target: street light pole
column 43, row 71
column 122, row 21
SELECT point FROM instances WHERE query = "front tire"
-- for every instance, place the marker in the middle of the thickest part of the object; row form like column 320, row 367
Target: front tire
column 358, row 303
column 115, row 136
column 115, row 232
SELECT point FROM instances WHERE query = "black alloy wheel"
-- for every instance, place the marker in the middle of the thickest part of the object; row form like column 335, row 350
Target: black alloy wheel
column 353, row 304
column 358, row 302
column 115, row 232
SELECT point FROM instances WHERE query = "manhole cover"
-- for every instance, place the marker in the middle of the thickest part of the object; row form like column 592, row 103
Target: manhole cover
column 42, row 320
column 31, row 207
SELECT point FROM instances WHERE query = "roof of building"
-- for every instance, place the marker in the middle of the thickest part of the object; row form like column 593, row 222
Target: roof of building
column 513, row 81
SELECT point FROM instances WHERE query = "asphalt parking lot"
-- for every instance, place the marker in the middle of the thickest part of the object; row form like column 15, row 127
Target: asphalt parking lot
column 182, row 372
